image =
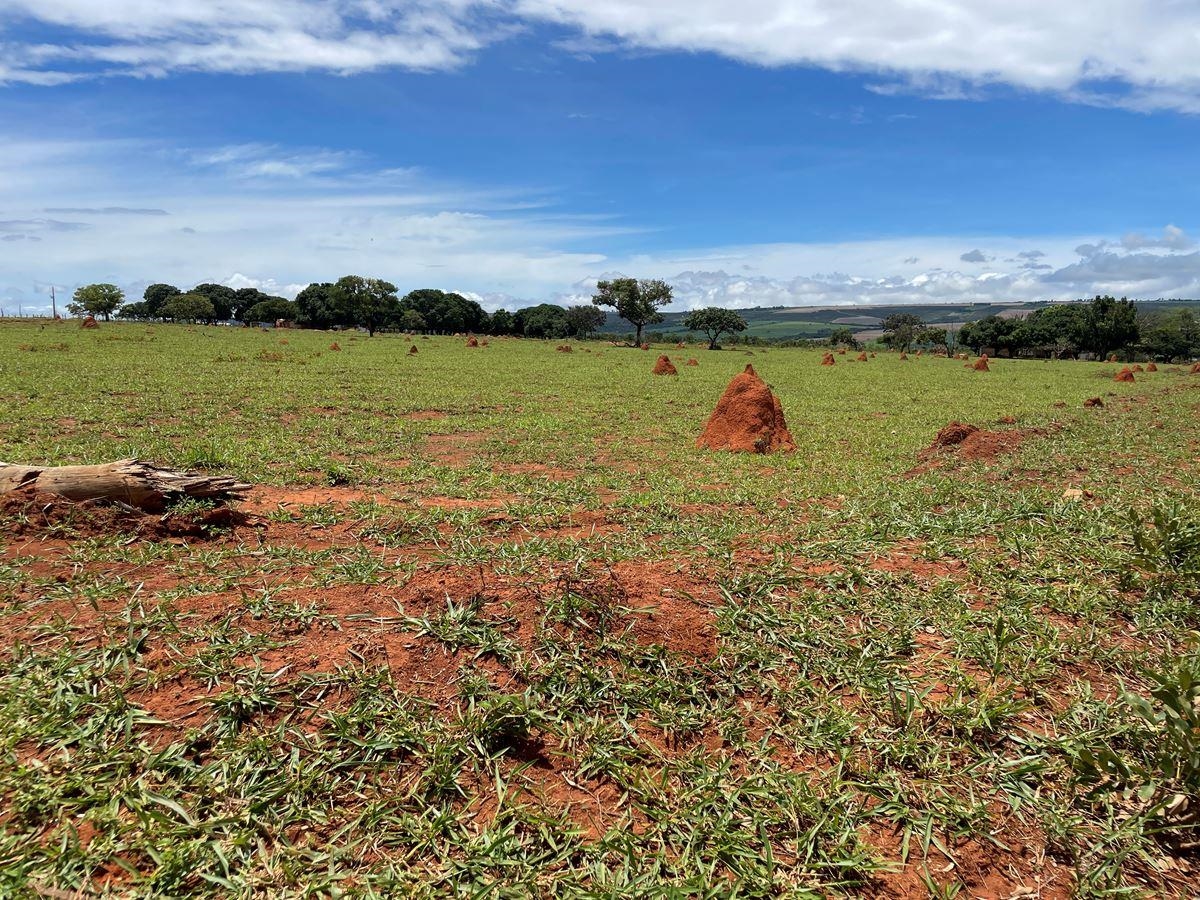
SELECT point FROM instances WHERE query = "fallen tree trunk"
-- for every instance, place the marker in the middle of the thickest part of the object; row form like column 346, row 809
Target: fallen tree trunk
column 128, row 481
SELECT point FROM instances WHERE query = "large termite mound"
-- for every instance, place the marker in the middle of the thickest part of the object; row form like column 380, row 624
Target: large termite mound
column 1126, row 374
column 981, row 364
column 1195, row 369
column 664, row 366
column 748, row 419
column 472, row 342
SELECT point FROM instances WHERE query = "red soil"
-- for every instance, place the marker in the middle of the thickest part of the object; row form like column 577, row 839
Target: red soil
column 664, row 366
column 645, row 346
column 1112, row 357
column 88, row 322
column 563, row 348
column 969, row 443
column 828, row 360
column 692, row 362
column 472, row 342
column 1195, row 369
column 334, row 346
column 1138, row 369
column 981, row 364
column 412, row 349
column 1126, row 375
column 862, row 357
column 748, row 419
column 1151, row 367
column 1092, row 402
column 37, row 513
column 903, row 355
column 842, row 351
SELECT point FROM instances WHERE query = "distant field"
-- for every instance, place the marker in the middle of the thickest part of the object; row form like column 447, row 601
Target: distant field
column 495, row 627
column 794, row 323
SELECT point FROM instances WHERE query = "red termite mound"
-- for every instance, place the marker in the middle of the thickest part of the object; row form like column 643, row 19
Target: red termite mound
column 412, row 349
column 862, row 357
column 664, row 366
column 563, row 348
column 472, row 342
column 1151, row 367
column 748, row 419
column 335, row 347
column 981, row 364
column 828, row 360
column 1092, row 402
column 692, row 362
column 842, row 351
column 1138, row 369
column 88, row 322
column 1126, row 374
column 645, row 346
column 1195, row 369
column 903, row 355
column 1112, row 357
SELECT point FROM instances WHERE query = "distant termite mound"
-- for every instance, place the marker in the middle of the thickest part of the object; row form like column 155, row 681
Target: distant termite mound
column 1195, row 369
column 959, row 440
column 335, row 347
column 1112, row 357
column 692, row 362
column 862, row 357
column 563, row 348
column 981, row 364
column 472, row 342
column 680, row 345
column 903, row 356
column 1138, row 369
column 1092, row 402
column 841, row 351
column 1126, row 374
column 828, row 360
column 1151, row 367
column 748, row 419
column 664, row 366
column 412, row 349
column 88, row 322
column 645, row 346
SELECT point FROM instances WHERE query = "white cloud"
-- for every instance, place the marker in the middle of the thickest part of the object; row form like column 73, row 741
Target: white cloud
column 1134, row 53
column 975, row 256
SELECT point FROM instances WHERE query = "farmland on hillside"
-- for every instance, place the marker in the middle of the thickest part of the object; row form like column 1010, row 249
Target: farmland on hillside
column 490, row 624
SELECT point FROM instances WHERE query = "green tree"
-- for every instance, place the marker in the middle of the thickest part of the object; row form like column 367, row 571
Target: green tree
column 900, row 330
column 1170, row 335
column 990, row 332
column 370, row 303
column 188, row 308
column 155, row 296
column 714, row 322
column 411, row 320
column 445, row 313
column 936, row 337
column 315, row 307
column 272, row 309
column 583, row 320
column 222, row 297
column 139, row 310
column 96, row 300
column 502, row 322
column 845, row 336
column 546, row 320
column 637, row 302
column 1109, row 324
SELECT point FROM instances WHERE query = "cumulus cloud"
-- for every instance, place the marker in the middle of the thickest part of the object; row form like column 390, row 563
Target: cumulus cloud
column 1172, row 238
column 105, row 211
column 975, row 256
column 1132, row 53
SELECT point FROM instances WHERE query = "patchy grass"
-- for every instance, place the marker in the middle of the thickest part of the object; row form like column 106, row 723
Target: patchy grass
column 497, row 628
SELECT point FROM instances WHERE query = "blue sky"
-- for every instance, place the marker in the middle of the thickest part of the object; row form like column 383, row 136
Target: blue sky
column 759, row 153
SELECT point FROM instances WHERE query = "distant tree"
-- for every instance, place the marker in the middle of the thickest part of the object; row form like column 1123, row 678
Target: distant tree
column 583, row 320
column 368, row 302
column 315, row 307
column 843, row 335
column 502, row 322
column 1109, row 324
column 1170, row 335
column 96, row 300
column 155, row 296
column 139, row 310
column 992, row 331
column 1053, row 331
column 935, row 337
column 446, row 313
column 900, row 330
column 411, row 320
column 714, row 322
column 637, row 302
column 188, row 308
column 222, row 297
column 271, row 309
column 546, row 320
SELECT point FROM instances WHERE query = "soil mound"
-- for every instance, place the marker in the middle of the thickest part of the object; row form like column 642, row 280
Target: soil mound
column 1138, row 368
column 645, row 346
column 1151, row 367
column 472, row 342
column 969, row 443
column 1126, row 374
column 34, row 513
column 680, row 345
column 828, row 360
column 1092, row 402
column 89, row 322
column 862, row 357
column 412, row 349
column 335, row 347
column 748, row 419
column 842, row 351
column 1112, row 357
column 664, row 366
column 903, row 356
column 692, row 362
column 1195, row 369
column 563, row 348
column 981, row 364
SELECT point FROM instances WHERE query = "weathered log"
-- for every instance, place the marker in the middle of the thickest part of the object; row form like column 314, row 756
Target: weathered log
column 128, row 481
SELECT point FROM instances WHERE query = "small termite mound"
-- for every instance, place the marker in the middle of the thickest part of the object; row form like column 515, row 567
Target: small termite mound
column 828, row 360
column 335, row 347
column 1195, row 369
column 1138, row 368
column 1126, row 375
column 1092, row 402
column 88, row 322
column 472, row 342
column 1151, row 367
column 981, row 364
column 412, row 349
column 563, row 348
column 664, row 366
column 692, row 362
column 903, row 356
column 748, row 419
column 645, row 346
column 862, row 357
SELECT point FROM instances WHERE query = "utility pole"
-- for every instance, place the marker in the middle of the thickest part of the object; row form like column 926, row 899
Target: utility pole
column 53, row 302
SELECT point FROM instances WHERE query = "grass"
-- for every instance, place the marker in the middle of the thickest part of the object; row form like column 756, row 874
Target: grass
column 499, row 629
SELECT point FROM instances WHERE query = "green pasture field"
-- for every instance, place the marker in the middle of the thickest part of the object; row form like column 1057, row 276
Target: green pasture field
column 496, row 628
